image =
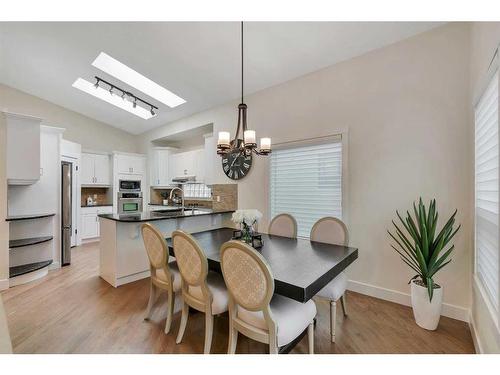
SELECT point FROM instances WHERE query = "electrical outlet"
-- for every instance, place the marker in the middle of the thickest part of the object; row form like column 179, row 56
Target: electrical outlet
column 218, row 198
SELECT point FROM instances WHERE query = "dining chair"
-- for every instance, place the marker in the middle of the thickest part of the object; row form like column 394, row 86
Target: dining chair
column 283, row 225
column 202, row 290
column 333, row 231
column 164, row 274
column 254, row 310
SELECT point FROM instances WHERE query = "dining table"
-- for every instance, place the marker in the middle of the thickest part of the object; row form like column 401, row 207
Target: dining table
column 300, row 267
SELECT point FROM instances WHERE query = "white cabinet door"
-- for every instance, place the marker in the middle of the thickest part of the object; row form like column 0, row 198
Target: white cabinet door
column 87, row 172
column 90, row 226
column 23, row 149
column 101, row 168
column 138, row 165
column 154, row 177
column 127, row 164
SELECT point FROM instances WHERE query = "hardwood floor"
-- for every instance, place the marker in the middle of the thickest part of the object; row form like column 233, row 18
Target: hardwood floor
column 73, row 310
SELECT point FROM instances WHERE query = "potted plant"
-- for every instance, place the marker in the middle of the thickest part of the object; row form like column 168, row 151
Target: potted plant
column 424, row 252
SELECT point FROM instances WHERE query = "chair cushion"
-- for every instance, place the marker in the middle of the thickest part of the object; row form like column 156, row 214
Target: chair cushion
column 174, row 270
column 335, row 288
column 291, row 317
column 219, row 292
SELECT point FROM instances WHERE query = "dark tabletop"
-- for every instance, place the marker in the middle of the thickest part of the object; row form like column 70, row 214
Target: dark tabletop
column 300, row 267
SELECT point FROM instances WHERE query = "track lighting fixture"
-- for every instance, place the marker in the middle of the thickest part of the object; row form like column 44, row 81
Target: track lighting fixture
column 107, row 93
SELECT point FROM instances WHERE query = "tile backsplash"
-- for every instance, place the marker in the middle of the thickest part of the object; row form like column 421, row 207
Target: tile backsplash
column 103, row 195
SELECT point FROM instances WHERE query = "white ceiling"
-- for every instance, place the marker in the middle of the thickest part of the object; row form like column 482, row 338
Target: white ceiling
column 199, row 61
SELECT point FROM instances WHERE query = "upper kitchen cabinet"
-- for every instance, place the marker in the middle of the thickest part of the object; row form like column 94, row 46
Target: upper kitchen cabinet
column 95, row 169
column 160, row 165
column 188, row 164
column 23, row 149
column 130, row 163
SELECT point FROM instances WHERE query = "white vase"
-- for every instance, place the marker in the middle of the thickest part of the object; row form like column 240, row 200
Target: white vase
column 426, row 313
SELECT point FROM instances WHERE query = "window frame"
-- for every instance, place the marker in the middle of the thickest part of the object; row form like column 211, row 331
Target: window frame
column 478, row 283
column 343, row 134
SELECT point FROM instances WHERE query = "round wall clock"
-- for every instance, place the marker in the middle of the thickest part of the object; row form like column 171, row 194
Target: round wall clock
column 236, row 165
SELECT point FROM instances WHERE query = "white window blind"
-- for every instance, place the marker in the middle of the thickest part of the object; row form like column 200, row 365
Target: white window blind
column 487, row 191
column 306, row 182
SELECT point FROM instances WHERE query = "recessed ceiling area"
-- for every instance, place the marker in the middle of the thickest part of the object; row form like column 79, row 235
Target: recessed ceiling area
column 198, row 61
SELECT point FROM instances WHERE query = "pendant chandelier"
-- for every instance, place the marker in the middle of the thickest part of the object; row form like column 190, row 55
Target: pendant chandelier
column 247, row 144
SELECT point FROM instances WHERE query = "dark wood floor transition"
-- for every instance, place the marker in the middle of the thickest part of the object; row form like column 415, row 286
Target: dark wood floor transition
column 72, row 310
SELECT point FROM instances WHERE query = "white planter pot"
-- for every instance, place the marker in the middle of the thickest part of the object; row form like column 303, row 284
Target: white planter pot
column 426, row 313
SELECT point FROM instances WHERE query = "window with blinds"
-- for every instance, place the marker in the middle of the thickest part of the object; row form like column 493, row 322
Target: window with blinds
column 306, row 182
column 487, row 191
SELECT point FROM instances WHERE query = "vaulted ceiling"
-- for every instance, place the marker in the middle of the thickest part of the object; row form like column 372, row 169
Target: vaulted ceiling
column 199, row 61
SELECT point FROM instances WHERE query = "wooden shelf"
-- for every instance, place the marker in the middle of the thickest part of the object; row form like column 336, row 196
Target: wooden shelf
column 27, row 217
column 28, row 241
column 27, row 268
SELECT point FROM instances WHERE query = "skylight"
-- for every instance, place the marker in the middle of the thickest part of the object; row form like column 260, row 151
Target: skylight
column 114, row 99
column 128, row 75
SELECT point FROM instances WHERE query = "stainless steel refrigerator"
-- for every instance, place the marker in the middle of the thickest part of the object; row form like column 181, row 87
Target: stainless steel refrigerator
column 66, row 211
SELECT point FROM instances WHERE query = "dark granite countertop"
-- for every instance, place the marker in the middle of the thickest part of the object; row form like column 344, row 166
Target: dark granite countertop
column 155, row 215
column 97, row 205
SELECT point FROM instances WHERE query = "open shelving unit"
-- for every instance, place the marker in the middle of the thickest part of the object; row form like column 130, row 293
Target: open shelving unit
column 22, row 242
column 35, row 268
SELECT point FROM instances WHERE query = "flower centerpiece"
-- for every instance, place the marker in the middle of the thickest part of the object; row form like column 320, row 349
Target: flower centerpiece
column 246, row 219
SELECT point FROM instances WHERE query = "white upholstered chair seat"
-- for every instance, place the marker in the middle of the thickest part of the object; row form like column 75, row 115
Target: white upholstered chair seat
column 335, row 288
column 174, row 270
column 218, row 288
column 291, row 317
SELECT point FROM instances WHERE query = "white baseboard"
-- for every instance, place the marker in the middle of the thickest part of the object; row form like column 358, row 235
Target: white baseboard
column 4, row 284
column 449, row 310
column 475, row 337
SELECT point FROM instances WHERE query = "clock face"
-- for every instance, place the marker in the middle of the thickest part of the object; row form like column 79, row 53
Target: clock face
column 236, row 165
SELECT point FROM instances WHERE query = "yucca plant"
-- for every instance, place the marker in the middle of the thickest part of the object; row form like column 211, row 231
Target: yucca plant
column 419, row 247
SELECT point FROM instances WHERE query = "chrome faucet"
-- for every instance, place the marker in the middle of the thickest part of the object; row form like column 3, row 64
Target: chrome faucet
column 182, row 195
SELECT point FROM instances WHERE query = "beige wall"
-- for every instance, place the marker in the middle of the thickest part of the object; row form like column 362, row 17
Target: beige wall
column 91, row 134
column 406, row 109
column 485, row 37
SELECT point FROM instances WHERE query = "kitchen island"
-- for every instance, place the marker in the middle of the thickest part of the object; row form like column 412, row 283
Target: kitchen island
column 123, row 258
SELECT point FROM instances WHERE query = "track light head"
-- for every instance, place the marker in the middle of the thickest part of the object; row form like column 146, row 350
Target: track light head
column 123, row 95
column 96, row 84
column 111, row 90
column 152, row 112
column 134, row 104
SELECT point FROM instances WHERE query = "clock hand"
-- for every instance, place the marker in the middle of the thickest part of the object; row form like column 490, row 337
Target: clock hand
column 234, row 160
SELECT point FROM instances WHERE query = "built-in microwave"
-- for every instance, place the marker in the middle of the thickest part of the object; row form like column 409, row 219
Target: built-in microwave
column 129, row 203
column 130, row 185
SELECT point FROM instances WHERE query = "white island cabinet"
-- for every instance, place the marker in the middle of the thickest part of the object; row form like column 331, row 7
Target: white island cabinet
column 123, row 258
